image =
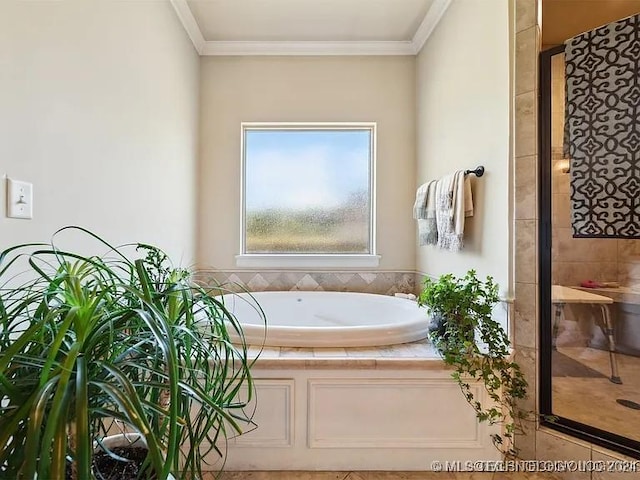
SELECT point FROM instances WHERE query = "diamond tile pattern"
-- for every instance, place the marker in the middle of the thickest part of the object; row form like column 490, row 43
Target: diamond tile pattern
column 385, row 283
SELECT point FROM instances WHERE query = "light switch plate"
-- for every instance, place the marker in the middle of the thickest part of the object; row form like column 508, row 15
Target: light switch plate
column 19, row 199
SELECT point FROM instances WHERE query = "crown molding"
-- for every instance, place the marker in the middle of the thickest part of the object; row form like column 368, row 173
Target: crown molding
column 429, row 23
column 307, row 48
column 247, row 48
column 189, row 23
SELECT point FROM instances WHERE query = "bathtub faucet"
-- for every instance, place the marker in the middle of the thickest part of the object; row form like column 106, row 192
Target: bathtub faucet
column 409, row 296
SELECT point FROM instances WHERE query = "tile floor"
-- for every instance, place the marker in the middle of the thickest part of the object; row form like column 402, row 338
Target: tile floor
column 593, row 400
column 379, row 476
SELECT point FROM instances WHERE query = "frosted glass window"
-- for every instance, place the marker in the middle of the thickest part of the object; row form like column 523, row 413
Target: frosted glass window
column 308, row 189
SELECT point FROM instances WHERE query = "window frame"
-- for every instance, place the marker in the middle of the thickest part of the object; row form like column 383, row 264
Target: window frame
column 319, row 260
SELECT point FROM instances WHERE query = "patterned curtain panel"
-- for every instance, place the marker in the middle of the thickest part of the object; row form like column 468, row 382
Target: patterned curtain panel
column 602, row 130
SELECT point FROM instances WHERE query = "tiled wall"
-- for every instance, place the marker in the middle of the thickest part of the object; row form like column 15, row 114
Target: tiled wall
column 578, row 259
column 385, row 283
column 542, row 444
column 527, row 46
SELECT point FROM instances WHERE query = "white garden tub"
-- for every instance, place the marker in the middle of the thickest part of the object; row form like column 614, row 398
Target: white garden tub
column 327, row 319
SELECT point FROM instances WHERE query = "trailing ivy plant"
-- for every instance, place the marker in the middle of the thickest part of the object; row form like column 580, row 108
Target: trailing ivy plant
column 477, row 346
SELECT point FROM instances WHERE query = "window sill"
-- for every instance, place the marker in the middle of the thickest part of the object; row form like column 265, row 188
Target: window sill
column 304, row 261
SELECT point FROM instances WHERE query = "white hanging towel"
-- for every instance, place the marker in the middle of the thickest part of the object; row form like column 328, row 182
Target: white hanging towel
column 420, row 205
column 424, row 210
column 453, row 203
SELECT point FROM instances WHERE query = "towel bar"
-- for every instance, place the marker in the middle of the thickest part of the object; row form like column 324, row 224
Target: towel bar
column 478, row 172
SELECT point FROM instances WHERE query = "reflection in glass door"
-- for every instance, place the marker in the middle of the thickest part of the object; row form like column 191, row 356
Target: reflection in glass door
column 591, row 294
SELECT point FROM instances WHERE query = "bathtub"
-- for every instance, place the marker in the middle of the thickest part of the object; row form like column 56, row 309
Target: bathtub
column 339, row 411
column 327, row 319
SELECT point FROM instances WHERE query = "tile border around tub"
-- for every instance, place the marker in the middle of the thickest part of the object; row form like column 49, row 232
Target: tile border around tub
column 418, row 355
column 379, row 282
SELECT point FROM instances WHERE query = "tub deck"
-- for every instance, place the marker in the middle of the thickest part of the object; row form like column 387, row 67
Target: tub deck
column 419, row 355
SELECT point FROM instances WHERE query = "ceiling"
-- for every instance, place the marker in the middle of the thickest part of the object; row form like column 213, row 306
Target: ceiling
column 309, row 20
column 321, row 27
column 563, row 19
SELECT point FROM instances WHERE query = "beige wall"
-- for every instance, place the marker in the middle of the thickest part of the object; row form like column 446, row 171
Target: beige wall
column 99, row 109
column 306, row 89
column 463, row 121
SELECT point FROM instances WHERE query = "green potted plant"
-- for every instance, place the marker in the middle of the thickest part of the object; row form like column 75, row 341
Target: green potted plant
column 118, row 343
column 477, row 347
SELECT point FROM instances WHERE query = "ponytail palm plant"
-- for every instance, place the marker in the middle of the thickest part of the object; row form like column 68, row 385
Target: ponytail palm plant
column 123, row 342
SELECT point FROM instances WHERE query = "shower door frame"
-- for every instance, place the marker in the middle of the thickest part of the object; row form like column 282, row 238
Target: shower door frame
column 583, row 431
